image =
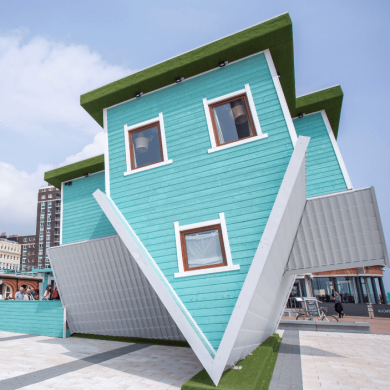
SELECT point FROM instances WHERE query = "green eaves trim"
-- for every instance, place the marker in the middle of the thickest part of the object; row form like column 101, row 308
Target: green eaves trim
column 330, row 100
column 73, row 171
column 275, row 34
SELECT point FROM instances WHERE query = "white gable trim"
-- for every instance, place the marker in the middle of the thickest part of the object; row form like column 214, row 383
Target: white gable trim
column 337, row 150
column 106, row 157
column 282, row 98
column 158, row 281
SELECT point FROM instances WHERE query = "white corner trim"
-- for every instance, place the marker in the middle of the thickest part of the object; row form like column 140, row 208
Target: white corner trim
column 229, row 267
column 160, row 120
column 106, row 158
column 240, row 142
column 282, row 98
column 142, row 169
column 62, row 211
column 337, row 150
column 252, row 107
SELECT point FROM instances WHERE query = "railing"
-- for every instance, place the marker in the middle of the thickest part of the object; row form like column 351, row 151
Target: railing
column 16, row 269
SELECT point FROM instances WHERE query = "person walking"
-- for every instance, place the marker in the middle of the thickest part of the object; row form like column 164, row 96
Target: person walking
column 20, row 294
column 337, row 304
column 47, row 294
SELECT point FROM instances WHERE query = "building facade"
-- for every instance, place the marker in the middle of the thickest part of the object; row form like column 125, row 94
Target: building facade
column 48, row 226
column 10, row 254
column 218, row 186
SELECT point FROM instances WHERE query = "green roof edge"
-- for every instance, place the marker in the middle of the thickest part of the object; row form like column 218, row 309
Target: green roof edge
column 73, row 171
column 275, row 34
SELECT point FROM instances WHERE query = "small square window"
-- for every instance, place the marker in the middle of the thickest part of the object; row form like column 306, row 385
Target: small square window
column 43, row 197
column 145, row 145
column 232, row 120
column 202, row 248
column 50, row 196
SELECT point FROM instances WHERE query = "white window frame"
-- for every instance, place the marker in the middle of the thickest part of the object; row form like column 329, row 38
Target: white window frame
column 127, row 129
column 206, row 105
column 229, row 267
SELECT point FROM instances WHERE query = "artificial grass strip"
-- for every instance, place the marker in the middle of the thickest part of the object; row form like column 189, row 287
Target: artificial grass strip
column 138, row 340
column 256, row 372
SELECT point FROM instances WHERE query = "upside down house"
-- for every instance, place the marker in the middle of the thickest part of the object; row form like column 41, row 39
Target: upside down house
column 216, row 188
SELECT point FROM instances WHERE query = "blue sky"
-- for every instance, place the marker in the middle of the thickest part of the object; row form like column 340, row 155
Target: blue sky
column 51, row 52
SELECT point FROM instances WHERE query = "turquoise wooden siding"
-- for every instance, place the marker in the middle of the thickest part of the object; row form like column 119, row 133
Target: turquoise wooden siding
column 324, row 174
column 242, row 182
column 32, row 317
column 82, row 218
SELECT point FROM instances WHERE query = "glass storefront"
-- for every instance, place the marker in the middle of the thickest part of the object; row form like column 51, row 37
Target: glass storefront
column 346, row 289
column 323, row 289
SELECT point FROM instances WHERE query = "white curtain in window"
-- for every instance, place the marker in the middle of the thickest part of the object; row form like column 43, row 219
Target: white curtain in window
column 219, row 130
column 203, row 248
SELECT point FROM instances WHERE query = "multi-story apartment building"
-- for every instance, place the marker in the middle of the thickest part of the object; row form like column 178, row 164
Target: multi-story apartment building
column 29, row 250
column 48, row 222
column 10, row 253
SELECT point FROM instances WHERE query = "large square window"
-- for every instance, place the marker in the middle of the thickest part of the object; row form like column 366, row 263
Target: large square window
column 203, row 248
column 232, row 120
column 146, row 146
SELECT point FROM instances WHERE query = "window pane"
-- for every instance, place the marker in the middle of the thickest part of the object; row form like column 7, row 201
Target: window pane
column 203, row 248
column 146, row 147
column 232, row 121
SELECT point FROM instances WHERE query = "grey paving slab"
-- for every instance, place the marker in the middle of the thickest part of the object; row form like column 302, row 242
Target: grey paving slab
column 65, row 368
column 287, row 373
column 24, row 336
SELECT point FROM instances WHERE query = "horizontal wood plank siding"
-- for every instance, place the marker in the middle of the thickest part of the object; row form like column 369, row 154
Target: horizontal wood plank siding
column 241, row 182
column 324, row 174
column 82, row 217
column 32, row 317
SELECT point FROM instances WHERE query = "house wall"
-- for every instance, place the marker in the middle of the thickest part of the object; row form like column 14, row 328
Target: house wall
column 242, row 181
column 324, row 174
column 82, row 218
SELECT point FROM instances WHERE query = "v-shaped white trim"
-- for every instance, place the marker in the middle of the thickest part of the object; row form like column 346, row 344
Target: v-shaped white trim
column 265, row 287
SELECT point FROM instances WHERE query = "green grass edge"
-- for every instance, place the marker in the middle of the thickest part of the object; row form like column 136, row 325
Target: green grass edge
column 138, row 340
column 256, row 373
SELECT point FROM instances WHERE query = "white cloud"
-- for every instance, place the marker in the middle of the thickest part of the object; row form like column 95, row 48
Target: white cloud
column 41, row 81
column 19, row 190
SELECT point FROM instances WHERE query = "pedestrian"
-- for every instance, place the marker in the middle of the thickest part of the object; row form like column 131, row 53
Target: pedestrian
column 28, row 296
column 337, row 305
column 47, row 294
column 381, row 300
column 55, row 295
column 20, row 294
column 33, row 293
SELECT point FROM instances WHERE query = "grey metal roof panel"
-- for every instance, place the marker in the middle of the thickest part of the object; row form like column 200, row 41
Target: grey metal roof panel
column 339, row 231
column 105, row 292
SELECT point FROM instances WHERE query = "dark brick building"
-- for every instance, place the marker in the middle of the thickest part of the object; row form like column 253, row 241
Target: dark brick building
column 48, row 221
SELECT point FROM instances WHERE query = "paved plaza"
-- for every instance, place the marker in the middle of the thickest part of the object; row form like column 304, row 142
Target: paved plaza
column 308, row 360
column 39, row 362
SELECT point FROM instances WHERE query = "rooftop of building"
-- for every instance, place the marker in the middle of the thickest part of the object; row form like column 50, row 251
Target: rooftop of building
column 275, row 34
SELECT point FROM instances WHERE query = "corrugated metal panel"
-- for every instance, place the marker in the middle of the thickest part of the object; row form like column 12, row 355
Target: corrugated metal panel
column 266, row 289
column 106, row 293
column 339, row 231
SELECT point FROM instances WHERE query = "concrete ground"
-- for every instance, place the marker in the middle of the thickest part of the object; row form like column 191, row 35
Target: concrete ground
column 39, row 362
column 345, row 360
